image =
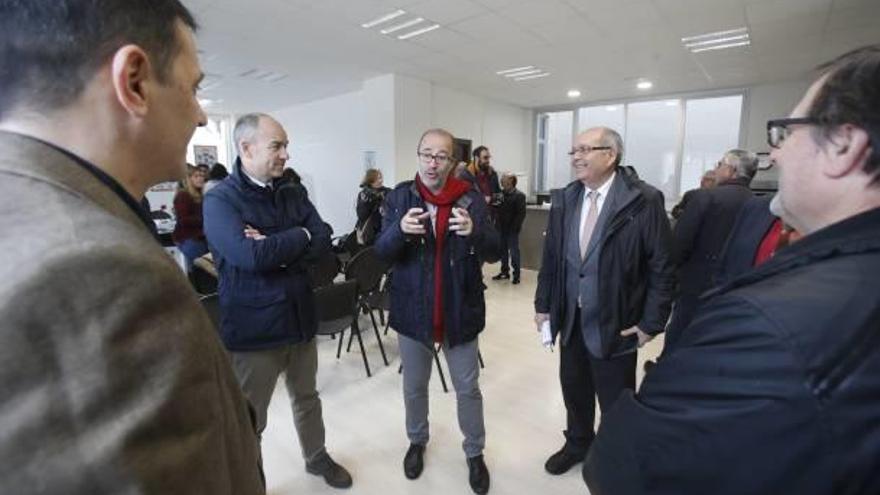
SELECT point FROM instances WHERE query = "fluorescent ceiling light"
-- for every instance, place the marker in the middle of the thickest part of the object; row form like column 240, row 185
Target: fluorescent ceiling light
column 536, row 76
column 719, row 47
column 515, row 69
column 573, row 93
column 383, row 19
column 645, row 85
column 671, row 103
column 403, row 25
column 418, row 32
column 697, row 44
column 611, row 108
column 717, row 34
column 523, row 73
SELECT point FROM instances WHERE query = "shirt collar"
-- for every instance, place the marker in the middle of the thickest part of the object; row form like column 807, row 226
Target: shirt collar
column 604, row 188
column 252, row 179
column 108, row 181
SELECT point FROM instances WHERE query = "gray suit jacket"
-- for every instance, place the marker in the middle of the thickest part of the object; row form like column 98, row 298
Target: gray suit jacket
column 112, row 377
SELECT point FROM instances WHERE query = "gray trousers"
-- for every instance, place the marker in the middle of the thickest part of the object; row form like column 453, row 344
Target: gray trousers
column 464, row 370
column 257, row 373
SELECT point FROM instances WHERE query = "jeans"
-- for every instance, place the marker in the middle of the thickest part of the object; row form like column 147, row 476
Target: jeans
column 510, row 251
column 192, row 249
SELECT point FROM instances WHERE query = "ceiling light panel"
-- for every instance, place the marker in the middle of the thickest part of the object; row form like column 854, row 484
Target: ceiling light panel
column 402, row 24
column 418, row 32
column 719, row 40
column 383, row 19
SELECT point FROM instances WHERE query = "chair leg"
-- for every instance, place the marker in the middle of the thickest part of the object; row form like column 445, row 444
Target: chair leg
column 378, row 338
column 339, row 347
column 440, row 369
column 350, row 338
column 480, row 358
column 363, row 352
column 381, row 316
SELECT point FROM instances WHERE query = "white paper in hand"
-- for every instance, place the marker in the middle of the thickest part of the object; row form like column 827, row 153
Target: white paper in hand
column 546, row 335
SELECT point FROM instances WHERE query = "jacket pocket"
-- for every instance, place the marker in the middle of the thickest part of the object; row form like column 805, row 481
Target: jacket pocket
column 252, row 319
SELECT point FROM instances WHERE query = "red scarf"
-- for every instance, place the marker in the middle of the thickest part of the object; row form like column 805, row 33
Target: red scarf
column 452, row 190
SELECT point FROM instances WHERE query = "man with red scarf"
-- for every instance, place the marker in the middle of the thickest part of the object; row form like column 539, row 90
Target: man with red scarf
column 435, row 232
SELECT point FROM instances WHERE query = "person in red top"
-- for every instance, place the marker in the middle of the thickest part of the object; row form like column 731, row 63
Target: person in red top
column 188, row 234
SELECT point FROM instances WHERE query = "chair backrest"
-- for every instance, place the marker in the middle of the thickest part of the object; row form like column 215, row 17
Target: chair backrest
column 336, row 306
column 324, row 270
column 367, row 268
column 211, row 303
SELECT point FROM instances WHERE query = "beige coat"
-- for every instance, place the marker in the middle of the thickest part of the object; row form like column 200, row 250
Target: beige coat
column 112, row 378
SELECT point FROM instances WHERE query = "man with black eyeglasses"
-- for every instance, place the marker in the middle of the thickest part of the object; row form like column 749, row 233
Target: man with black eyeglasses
column 773, row 386
column 436, row 232
column 605, row 284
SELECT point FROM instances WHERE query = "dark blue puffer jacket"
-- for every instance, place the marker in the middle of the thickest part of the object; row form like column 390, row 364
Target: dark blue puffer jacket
column 412, row 285
column 266, row 298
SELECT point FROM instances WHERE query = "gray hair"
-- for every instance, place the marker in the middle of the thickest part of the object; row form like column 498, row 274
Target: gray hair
column 439, row 132
column 745, row 163
column 245, row 128
column 612, row 138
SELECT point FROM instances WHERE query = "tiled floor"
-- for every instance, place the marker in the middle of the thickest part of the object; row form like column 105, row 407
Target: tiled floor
column 365, row 420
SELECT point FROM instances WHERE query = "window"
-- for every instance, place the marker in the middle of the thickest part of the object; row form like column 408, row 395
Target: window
column 712, row 128
column 651, row 143
column 669, row 142
column 554, row 168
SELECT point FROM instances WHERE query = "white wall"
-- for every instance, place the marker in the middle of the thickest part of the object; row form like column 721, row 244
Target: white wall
column 505, row 129
column 412, row 114
column 769, row 101
column 329, row 137
column 766, row 102
column 327, row 143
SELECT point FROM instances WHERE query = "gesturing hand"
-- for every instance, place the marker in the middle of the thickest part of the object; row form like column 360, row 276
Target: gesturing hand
column 461, row 222
column 412, row 222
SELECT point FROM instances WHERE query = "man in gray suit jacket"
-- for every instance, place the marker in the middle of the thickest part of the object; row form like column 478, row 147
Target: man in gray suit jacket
column 111, row 376
column 605, row 283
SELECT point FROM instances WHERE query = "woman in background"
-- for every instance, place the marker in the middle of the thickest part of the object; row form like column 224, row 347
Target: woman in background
column 369, row 207
column 188, row 234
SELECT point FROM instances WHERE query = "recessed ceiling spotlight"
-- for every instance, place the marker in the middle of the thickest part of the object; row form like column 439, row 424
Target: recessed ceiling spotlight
column 643, row 85
column 573, row 93
column 383, row 19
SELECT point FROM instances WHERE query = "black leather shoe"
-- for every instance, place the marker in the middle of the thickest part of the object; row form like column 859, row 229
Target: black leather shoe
column 334, row 474
column 562, row 461
column 478, row 475
column 515, row 280
column 501, row 276
column 413, row 461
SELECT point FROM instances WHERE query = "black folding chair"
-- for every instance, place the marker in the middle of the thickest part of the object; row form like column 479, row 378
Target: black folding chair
column 367, row 270
column 324, row 270
column 337, row 309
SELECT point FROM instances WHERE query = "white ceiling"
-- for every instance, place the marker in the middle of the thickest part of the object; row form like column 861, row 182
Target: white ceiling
column 601, row 47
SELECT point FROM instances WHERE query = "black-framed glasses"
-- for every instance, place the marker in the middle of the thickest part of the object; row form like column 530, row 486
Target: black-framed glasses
column 778, row 129
column 583, row 150
column 440, row 159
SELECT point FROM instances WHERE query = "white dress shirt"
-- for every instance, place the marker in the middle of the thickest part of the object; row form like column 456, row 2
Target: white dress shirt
column 600, row 201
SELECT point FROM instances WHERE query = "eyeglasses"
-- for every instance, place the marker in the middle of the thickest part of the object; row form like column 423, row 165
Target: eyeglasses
column 583, row 150
column 777, row 129
column 440, row 159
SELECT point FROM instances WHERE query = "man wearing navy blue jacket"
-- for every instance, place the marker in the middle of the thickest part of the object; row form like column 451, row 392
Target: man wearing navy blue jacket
column 262, row 230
